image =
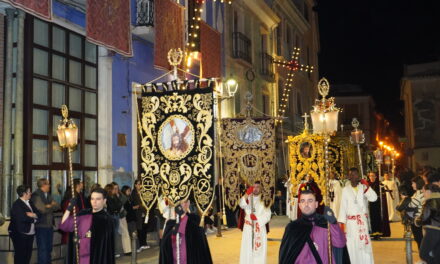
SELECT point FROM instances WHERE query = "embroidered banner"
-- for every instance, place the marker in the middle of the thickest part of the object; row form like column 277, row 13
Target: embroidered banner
column 249, row 152
column 40, row 8
column 210, row 46
column 177, row 145
column 108, row 25
column 168, row 29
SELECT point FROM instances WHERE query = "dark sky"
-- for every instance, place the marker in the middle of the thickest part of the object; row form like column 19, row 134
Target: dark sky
column 368, row 42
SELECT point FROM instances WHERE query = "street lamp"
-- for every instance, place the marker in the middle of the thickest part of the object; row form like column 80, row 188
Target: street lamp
column 325, row 122
column 357, row 137
column 231, row 89
column 67, row 133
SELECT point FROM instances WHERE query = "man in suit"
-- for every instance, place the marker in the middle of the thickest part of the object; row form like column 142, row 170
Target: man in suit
column 44, row 228
column 24, row 215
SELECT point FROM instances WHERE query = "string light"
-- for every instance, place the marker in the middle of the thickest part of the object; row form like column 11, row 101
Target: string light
column 293, row 66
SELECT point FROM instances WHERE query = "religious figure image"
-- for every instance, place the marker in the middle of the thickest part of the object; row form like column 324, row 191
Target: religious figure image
column 176, row 137
column 306, row 150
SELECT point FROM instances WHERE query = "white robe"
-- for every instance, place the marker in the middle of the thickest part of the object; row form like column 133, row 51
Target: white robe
column 353, row 213
column 392, row 202
column 258, row 254
column 291, row 203
column 336, row 186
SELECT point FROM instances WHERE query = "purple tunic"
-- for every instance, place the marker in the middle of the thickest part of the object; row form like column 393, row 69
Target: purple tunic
column 84, row 225
column 319, row 238
column 182, row 249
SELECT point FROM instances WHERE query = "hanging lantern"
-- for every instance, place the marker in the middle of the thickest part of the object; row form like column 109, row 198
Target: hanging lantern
column 67, row 131
column 325, row 113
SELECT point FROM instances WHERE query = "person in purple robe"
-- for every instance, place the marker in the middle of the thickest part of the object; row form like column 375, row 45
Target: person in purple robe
column 305, row 240
column 95, row 230
column 184, row 241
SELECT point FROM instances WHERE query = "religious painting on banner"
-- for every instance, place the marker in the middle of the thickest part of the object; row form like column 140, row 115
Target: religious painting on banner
column 108, row 25
column 306, row 159
column 177, row 144
column 249, row 155
column 39, row 8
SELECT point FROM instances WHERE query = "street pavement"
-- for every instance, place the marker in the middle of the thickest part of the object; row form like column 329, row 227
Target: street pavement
column 226, row 249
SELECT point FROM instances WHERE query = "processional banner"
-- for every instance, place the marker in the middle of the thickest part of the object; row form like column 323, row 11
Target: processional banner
column 249, row 153
column 40, row 8
column 177, row 144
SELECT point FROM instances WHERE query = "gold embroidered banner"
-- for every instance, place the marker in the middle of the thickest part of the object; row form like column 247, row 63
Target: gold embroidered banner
column 249, row 154
column 177, row 150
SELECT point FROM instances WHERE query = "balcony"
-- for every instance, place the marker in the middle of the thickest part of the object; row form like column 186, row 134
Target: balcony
column 145, row 13
column 241, row 47
column 267, row 67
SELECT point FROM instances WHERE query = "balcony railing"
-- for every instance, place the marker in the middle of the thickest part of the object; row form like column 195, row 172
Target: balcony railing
column 241, row 47
column 267, row 66
column 145, row 13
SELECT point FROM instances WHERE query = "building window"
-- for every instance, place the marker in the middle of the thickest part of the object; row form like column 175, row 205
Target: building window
column 62, row 69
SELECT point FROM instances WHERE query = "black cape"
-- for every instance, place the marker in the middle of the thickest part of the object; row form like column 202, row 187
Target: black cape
column 296, row 235
column 102, row 250
column 380, row 224
column 197, row 248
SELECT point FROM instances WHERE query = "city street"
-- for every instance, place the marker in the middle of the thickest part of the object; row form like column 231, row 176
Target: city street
column 226, row 249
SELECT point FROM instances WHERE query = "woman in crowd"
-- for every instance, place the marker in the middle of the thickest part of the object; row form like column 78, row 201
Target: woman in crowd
column 416, row 203
column 430, row 219
column 140, row 212
column 114, row 206
column 130, row 208
column 123, row 229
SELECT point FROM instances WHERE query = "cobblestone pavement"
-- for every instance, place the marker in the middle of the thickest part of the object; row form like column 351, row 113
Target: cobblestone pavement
column 226, row 249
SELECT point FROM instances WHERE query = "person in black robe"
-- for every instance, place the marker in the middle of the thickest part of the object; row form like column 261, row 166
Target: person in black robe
column 95, row 230
column 380, row 225
column 196, row 246
column 298, row 234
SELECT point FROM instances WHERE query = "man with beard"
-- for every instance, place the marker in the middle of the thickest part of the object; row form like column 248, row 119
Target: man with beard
column 353, row 214
column 184, row 241
column 380, row 225
column 95, row 230
column 305, row 240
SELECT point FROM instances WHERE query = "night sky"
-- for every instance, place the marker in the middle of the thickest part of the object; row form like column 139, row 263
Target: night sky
column 368, row 42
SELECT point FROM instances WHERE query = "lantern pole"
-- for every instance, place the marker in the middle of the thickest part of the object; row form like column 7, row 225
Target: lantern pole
column 325, row 123
column 68, row 143
column 357, row 138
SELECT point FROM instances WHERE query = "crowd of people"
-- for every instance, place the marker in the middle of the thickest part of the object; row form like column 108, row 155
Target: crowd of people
column 125, row 216
column 109, row 217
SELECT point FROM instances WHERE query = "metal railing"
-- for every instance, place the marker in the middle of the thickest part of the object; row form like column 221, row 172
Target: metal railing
column 267, row 65
column 241, row 47
column 145, row 13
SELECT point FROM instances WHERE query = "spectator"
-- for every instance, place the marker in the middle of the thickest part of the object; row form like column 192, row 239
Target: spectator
column 24, row 215
column 430, row 219
column 123, row 229
column 141, row 213
column 416, row 203
column 114, row 206
column 44, row 228
column 131, row 214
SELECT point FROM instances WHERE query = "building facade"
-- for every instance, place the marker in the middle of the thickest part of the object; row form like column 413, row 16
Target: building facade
column 419, row 91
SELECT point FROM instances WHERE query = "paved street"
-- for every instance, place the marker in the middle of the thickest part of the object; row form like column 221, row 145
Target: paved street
column 226, row 250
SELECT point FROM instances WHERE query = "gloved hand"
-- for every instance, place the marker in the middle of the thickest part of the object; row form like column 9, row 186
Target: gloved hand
column 72, row 203
column 329, row 215
column 250, row 190
column 365, row 182
column 253, row 217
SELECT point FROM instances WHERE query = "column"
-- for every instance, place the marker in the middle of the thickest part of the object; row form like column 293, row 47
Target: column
column 19, row 103
column 7, row 119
